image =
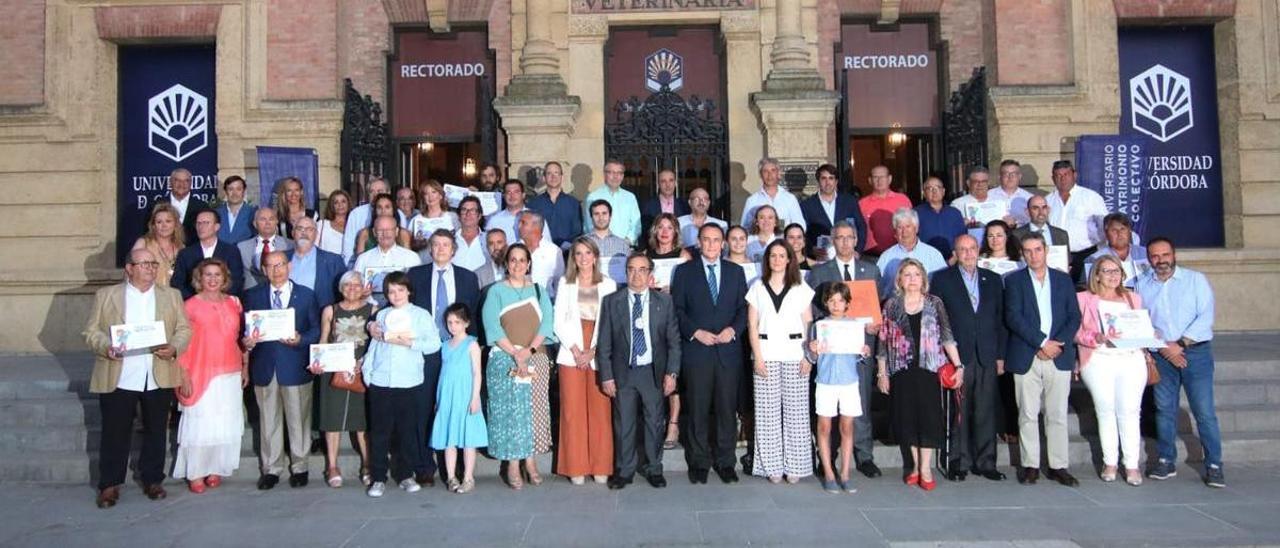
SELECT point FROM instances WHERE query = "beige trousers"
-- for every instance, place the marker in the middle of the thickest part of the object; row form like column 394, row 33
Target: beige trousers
column 283, row 407
column 1043, row 389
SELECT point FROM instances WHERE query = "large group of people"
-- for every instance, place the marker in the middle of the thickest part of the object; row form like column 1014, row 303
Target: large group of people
column 657, row 324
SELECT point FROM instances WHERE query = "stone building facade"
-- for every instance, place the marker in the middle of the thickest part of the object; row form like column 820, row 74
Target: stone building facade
column 1051, row 75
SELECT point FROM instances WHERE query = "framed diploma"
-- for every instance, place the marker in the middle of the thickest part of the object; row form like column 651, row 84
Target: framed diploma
column 999, row 266
column 137, row 336
column 270, row 325
column 1125, row 327
column 334, row 358
column 663, row 269
column 842, row 336
column 615, row 268
column 423, row 227
column 985, row 212
column 866, row 301
column 1059, row 258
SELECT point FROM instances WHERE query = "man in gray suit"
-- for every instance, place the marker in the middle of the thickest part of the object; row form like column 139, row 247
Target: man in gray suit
column 638, row 356
column 254, row 249
column 847, row 266
column 1038, row 213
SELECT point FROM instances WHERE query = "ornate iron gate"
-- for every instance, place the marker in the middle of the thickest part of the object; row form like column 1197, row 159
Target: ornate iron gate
column 365, row 150
column 666, row 131
column 965, row 129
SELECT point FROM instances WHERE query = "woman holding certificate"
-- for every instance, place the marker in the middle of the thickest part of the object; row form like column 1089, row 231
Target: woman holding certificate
column 586, row 428
column 341, row 410
column 1116, row 377
column 213, row 376
column 764, row 230
column 778, row 317
column 915, row 342
column 433, row 213
column 163, row 239
column 518, row 320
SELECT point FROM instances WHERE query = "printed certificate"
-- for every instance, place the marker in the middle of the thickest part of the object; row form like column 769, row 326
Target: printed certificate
column 663, row 269
column 334, row 358
column 1127, row 328
column 374, row 275
column 137, row 336
column 423, row 227
column 999, row 266
column 1059, row 258
column 985, row 212
column 270, row 325
column 842, row 336
column 397, row 323
column 488, row 200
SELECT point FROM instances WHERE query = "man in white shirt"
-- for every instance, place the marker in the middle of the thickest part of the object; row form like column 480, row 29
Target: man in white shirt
column 181, row 199
column 1079, row 211
column 699, row 203
column 1010, row 190
column 546, row 261
column 469, row 236
column 978, row 181
column 387, row 257
column 771, row 193
column 358, row 218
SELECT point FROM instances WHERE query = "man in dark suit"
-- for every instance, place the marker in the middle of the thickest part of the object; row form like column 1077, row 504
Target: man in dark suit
column 665, row 201
column 255, row 249
column 434, row 286
column 710, row 302
column 236, row 213
column 1038, row 213
column 313, row 267
column 180, row 198
column 1043, row 315
column 848, row 266
column 278, row 370
column 974, row 298
column 208, row 246
column 823, row 210
column 638, row 354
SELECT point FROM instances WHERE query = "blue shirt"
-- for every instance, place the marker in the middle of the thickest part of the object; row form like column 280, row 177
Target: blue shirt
column 833, row 369
column 625, row 222
column 302, row 269
column 1181, row 306
column 940, row 228
column 389, row 365
column 244, row 219
column 563, row 216
column 892, row 257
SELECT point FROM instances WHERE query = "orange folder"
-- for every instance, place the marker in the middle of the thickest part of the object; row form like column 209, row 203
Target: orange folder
column 866, row 300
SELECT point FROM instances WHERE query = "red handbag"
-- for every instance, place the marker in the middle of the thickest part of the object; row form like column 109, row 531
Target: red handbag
column 946, row 375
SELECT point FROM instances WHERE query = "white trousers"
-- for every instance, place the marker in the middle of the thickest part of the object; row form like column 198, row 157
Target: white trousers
column 1116, row 379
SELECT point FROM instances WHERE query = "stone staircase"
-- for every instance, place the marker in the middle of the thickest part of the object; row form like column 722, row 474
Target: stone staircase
column 49, row 423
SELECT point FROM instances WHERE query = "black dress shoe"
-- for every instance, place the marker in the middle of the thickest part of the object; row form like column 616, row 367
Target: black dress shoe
column 657, row 481
column 425, row 480
column 109, row 497
column 298, row 480
column 993, row 474
column 697, row 475
column 1028, row 476
column 618, row 482
column 1063, row 477
column 957, row 475
column 267, row 481
column 727, row 474
column 869, row 469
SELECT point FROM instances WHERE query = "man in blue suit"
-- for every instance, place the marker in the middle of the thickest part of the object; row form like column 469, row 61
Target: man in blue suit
column 188, row 205
column 208, row 246
column 278, row 370
column 313, row 267
column 710, row 301
column 236, row 214
column 433, row 287
column 1043, row 315
column 826, row 208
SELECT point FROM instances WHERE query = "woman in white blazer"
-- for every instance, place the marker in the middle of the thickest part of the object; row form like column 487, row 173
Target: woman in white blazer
column 586, row 428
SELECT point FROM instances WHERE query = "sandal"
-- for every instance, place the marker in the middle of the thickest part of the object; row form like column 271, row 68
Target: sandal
column 672, row 439
column 365, row 478
column 534, row 478
column 333, row 477
column 213, row 481
column 452, row 485
column 515, row 481
column 467, row 485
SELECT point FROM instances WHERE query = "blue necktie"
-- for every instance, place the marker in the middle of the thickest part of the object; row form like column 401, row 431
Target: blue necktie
column 712, row 284
column 442, row 302
column 275, row 301
column 638, row 347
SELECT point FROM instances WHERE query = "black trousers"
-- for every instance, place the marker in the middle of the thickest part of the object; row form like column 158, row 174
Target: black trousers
column 117, row 435
column 393, row 412
column 639, row 400
column 711, row 387
column 973, row 427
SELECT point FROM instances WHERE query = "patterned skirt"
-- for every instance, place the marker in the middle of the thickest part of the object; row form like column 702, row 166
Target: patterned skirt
column 519, row 413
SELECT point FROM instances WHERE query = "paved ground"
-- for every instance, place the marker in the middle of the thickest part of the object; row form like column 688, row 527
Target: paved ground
column 978, row 512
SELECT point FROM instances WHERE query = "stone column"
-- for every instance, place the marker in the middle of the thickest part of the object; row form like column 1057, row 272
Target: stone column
column 538, row 114
column 796, row 109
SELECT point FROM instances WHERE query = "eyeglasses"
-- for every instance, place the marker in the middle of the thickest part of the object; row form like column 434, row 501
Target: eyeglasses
column 1110, row 271
column 148, row 264
column 638, row 270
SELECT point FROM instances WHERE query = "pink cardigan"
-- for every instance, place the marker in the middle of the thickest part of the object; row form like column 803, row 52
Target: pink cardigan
column 1086, row 336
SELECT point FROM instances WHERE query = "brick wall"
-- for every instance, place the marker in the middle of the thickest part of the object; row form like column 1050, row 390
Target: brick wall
column 965, row 26
column 302, row 50
column 1155, row 9
column 362, row 47
column 22, row 41
column 130, row 23
column 1033, row 42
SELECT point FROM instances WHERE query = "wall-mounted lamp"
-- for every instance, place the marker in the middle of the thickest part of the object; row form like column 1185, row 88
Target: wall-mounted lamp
column 469, row 168
column 896, row 137
column 425, row 147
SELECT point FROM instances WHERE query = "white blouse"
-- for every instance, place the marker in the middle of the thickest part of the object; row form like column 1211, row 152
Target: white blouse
column 781, row 329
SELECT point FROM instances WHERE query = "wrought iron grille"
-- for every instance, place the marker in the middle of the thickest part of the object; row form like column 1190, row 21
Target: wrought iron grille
column 365, row 150
column 965, row 128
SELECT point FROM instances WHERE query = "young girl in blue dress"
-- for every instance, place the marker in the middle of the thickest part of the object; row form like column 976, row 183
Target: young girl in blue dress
column 459, row 423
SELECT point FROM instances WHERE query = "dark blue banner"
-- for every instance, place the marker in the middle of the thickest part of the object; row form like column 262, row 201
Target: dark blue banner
column 276, row 163
column 1115, row 166
column 1169, row 94
column 166, row 121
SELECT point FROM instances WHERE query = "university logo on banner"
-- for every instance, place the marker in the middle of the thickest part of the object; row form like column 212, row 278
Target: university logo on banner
column 1160, row 100
column 178, row 123
column 663, row 68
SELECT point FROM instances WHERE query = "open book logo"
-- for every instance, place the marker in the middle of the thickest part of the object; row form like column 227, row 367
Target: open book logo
column 178, row 124
column 663, row 69
column 1160, row 100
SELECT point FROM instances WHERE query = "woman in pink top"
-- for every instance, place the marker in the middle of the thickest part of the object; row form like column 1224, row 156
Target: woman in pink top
column 1116, row 377
column 213, row 376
